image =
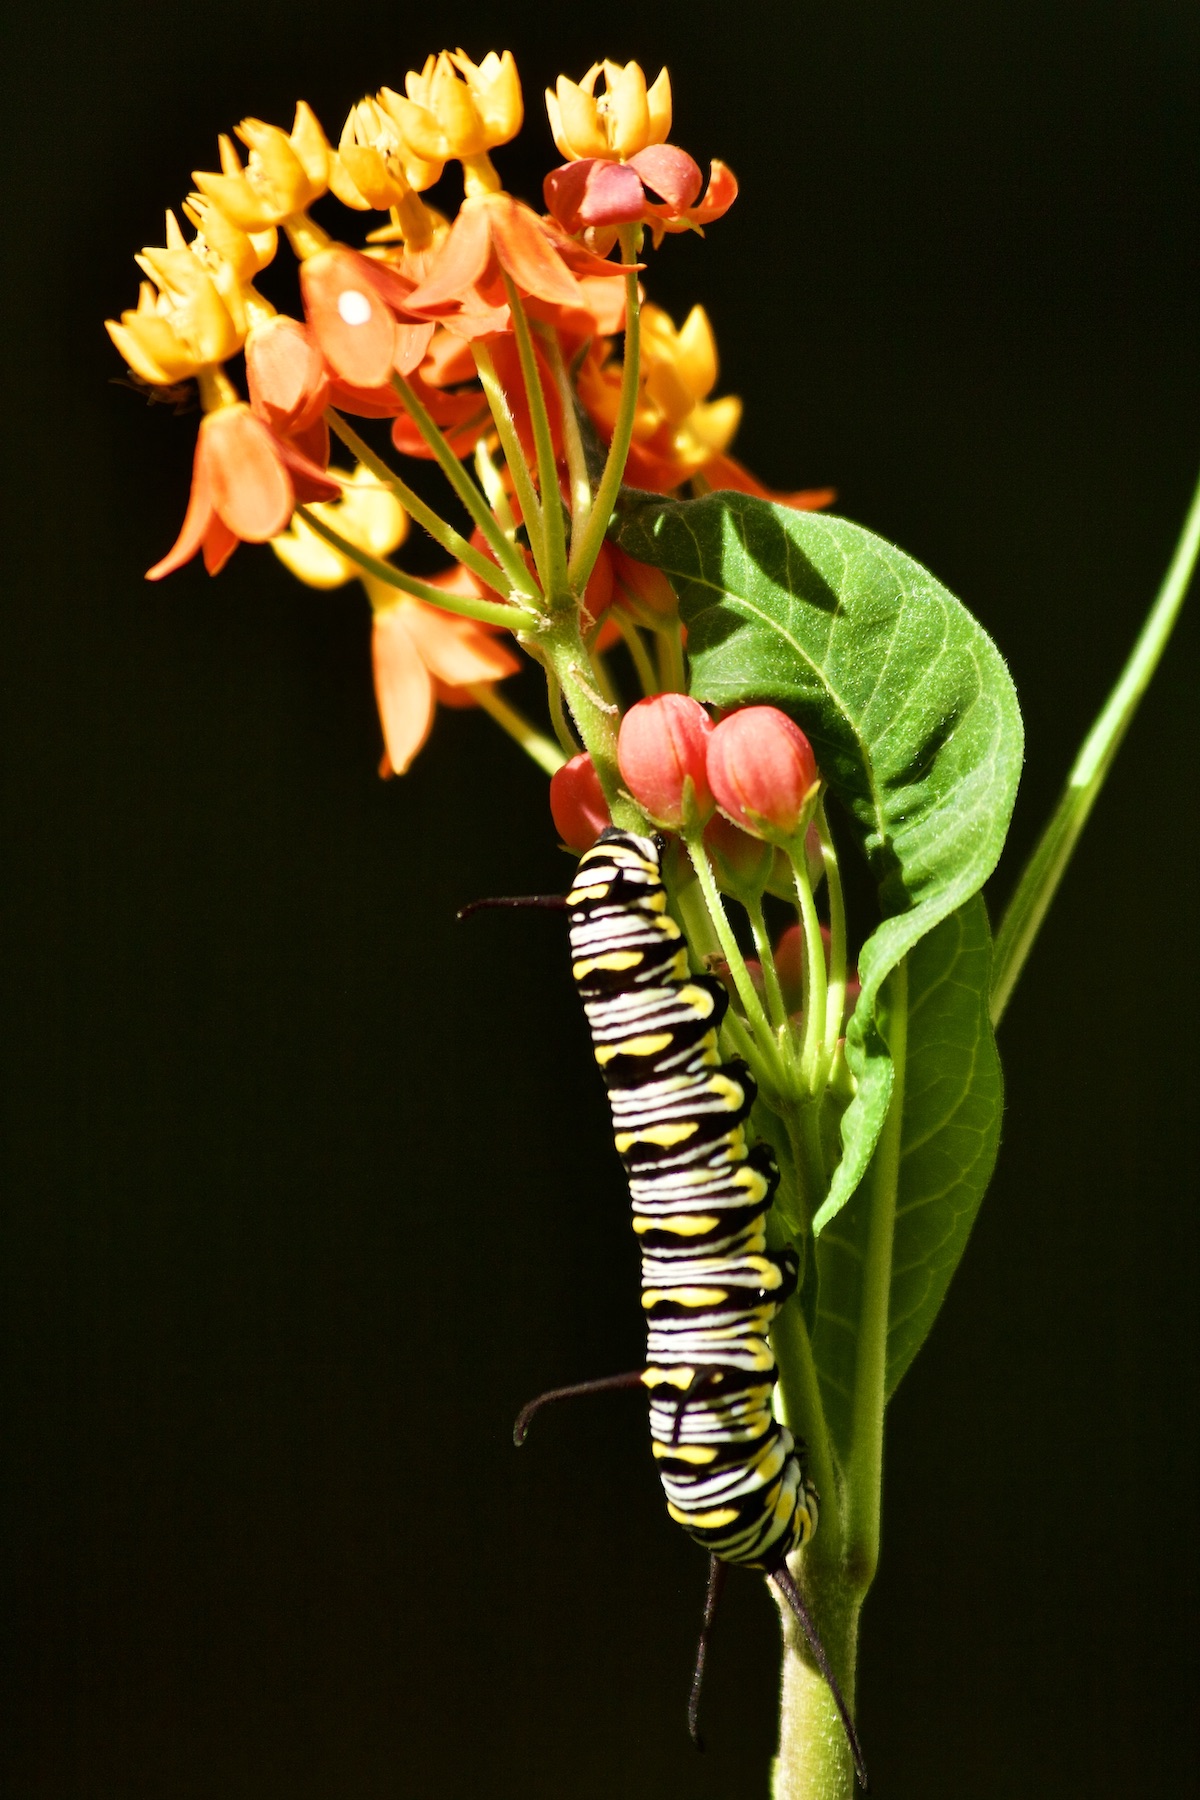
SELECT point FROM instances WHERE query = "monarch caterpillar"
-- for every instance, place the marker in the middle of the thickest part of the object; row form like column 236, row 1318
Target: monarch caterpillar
column 734, row 1476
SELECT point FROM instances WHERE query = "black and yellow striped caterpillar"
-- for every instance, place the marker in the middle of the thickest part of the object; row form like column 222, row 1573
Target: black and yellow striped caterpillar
column 734, row 1476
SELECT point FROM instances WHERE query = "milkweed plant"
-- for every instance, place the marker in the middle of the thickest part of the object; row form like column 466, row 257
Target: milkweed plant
column 744, row 682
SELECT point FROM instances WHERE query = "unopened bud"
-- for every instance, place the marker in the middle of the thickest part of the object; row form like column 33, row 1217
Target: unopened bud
column 662, row 756
column 742, row 864
column 577, row 803
column 763, row 772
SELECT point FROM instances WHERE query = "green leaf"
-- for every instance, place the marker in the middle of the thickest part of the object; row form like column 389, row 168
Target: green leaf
column 906, row 700
column 953, row 1095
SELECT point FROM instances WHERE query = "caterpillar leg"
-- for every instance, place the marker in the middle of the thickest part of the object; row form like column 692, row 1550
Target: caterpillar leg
column 607, row 1384
column 716, row 1582
column 782, row 1578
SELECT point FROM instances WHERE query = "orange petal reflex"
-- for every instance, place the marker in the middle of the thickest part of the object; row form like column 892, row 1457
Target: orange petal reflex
column 250, row 486
column 349, row 319
column 403, row 687
column 196, row 523
column 456, row 650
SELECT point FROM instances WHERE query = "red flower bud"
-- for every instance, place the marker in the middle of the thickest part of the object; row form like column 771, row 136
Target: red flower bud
column 661, row 750
column 762, row 771
column 577, row 803
column 741, row 863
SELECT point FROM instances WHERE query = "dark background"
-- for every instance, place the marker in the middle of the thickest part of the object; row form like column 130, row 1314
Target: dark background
column 307, row 1188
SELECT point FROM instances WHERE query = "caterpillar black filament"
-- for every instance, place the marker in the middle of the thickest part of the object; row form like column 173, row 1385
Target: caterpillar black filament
column 734, row 1476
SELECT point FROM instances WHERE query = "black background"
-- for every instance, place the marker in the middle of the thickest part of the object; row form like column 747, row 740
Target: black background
column 308, row 1188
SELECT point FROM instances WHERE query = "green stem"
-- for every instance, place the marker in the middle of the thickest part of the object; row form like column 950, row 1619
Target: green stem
column 766, row 957
column 646, row 672
column 813, row 1761
column 672, row 674
column 453, row 542
column 507, row 554
column 816, row 1053
column 577, row 474
column 1045, row 869
column 586, row 548
column 510, row 618
column 702, row 942
column 804, row 1412
column 544, row 752
column 752, row 1006
column 553, row 570
column 514, row 456
column 558, row 715
column 864, row 1472
column 835, row 998
column 564, row 651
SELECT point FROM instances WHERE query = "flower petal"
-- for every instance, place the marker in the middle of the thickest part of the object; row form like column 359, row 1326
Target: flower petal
column 403, row 688
column 285, row 373
column 726, row 472
column 351, row 323
column 196, row 523
column 460, row 263
column 456, row 650
column 219, row 545
column 670, row 173
column 250, row 487
column 595, row 193
column 522, row 247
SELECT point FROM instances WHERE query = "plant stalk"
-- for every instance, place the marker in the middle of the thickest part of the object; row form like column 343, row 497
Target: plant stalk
column 1046, row 867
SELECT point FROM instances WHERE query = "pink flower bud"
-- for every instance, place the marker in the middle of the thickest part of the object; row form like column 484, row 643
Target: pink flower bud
column 762, row 771
column 577, row 803
column 661, row 749
column 742, row 864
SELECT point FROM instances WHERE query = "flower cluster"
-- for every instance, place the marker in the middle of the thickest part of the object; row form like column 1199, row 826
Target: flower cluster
column 511, row 346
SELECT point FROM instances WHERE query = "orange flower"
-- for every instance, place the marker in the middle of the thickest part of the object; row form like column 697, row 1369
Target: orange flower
column 422, row 655
column 245, row 484
column 679, row 433
column 358, row 309
column 615, row 143
column 495, row 235
column 286, row 375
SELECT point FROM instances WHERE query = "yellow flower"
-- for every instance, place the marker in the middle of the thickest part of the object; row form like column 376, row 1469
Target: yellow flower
column 373, row 167
column 368, row 514
column 613, row 125
column 284, row 173
column 457, row 108
column 181, row 325
column 680, row 372
column 222, row 245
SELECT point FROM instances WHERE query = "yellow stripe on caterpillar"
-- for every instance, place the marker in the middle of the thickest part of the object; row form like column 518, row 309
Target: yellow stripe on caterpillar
column 709, row 1521
column 616, row 961
column 684, row 1296
column 662, row 1135
column 684, row 1225
column 688, row 1453
column 681, row 1378
column 650, row 1045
